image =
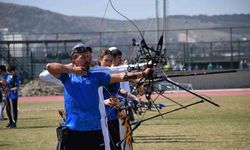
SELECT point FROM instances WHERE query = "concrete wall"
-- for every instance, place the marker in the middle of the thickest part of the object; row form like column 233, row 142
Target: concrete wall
column 239, row 79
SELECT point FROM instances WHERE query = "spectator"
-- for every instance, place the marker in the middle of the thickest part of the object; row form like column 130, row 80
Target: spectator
column 217, row 67
column 196, row 67
column 210, row 66
column 241, row 64
column 245, row 65
column 166, row 67
column 189, row 67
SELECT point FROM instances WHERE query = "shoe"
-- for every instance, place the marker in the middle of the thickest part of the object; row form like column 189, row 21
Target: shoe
column 12, row 125
column 8, row 125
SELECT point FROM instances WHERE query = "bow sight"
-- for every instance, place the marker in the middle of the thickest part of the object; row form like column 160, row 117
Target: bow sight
column 148, row 54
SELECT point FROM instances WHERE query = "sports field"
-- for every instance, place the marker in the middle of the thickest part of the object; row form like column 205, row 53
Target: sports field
column 202, row 126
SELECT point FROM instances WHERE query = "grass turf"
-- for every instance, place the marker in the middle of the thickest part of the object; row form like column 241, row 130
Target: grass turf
column 199, row 127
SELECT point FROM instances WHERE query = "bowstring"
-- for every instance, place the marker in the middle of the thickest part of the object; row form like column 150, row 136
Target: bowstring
column 112, row 5
column 100, row 25
column 144, row 44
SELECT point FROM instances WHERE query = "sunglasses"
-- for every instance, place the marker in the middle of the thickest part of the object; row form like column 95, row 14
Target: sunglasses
column 81, row 50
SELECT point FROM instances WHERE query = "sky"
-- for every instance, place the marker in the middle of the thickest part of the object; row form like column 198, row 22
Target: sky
column 138, row 9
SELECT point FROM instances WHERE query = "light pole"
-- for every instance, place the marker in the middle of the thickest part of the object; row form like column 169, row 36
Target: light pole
column 157, row 19
column 165, row 22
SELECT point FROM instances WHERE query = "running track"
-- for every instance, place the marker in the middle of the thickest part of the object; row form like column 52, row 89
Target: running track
column 172, row 94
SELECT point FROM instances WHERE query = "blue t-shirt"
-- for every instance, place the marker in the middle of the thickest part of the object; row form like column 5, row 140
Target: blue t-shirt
column 12, row 81
column 111, row 111
column 82, row 100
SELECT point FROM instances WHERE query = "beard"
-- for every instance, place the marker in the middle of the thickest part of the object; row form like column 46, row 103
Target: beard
column 87, row 65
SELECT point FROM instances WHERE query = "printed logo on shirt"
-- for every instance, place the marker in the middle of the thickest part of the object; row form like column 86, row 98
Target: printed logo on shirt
column 87, row 81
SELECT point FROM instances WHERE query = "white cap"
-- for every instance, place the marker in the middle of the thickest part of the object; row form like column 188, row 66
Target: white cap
column 112, row 48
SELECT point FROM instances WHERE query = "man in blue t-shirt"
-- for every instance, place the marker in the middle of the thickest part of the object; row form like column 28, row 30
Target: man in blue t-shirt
column 81, row 96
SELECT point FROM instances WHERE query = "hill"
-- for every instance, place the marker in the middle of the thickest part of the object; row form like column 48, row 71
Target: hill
column 18, row 18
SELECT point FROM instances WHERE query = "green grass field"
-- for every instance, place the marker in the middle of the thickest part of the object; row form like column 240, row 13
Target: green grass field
column 199, row 127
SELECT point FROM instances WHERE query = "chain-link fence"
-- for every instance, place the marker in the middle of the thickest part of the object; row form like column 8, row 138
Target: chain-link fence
column 185, row 48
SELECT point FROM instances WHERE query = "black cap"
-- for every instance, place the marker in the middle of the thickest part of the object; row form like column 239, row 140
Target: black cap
column 80, row 48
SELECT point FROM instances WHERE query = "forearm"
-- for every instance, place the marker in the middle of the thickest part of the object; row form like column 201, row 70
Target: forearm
column 56, row 69
column 123, row 93
column 46, row 76
column 14, row 89
column 127, row 76
column 129, row 95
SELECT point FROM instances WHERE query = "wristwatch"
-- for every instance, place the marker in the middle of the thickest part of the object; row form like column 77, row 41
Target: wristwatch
column 125, row 78
column 143, row 74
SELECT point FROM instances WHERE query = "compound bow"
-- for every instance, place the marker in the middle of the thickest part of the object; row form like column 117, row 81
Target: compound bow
column 153, row 58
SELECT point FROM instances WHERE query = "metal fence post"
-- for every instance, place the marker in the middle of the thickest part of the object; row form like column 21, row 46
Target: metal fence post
column 184, row 52
column 186, row 47
column 211, row 52
column 231, row 48
column 31, row 65
column 239, row 51
column 31, row 60
column 8, row 53
column 100, row 34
